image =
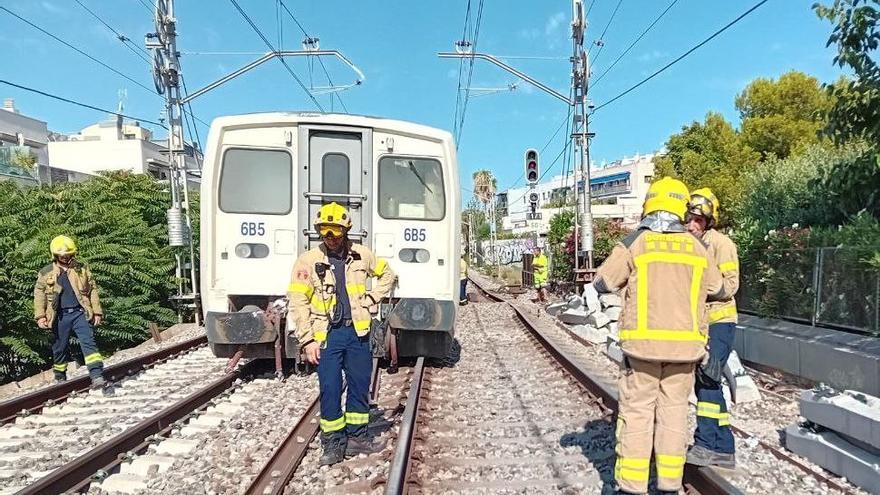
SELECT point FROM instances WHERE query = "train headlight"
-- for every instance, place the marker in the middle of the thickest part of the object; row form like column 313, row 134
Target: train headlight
column 422, row 255
column 245, row 250
column 410, row 255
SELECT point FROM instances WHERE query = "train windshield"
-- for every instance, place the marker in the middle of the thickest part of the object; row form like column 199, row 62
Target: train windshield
column 256, row 181
column 411, row 188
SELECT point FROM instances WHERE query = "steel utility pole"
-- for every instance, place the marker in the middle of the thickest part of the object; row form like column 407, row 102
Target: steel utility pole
column 166, row 76
column 579, row 106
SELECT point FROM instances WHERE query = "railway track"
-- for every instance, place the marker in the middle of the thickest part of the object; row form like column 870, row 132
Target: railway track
column 758, row 453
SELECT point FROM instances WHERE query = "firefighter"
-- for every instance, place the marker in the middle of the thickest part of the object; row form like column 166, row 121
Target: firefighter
column 667, row 274
column 66, row 301
column 713, row 440
column 332, row 309
column 462, row 272
column 539, row 272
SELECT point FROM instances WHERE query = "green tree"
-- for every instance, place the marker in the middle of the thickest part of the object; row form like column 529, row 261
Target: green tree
column 119, row 224
column 709, row 154
column 24, row 161
column 782, row 116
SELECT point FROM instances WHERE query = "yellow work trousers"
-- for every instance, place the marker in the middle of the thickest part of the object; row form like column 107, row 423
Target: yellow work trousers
column 652, row 414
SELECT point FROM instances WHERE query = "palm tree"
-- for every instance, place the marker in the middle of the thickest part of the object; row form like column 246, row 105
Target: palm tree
column 485, row 185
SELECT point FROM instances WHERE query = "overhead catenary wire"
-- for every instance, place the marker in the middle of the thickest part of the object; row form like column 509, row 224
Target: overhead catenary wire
column 272, row 47
column 150, row 8
column 78, row 103
column 605, row 31
column 121, row 37
column 633, row 44
column 464, row 34
column 320, row 59
column 78, row 50
column 682, row 56
column 476, row 37
column 565, row 120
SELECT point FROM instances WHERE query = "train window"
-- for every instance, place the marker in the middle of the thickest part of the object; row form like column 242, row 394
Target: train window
column 411, row 188
column 335, row 173
column 256, row 181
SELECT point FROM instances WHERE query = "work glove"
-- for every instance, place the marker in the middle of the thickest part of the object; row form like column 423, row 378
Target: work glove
column 711, row 369
column 591, row 298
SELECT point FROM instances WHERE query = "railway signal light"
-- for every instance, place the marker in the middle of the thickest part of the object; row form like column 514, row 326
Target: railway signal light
column 532, row 172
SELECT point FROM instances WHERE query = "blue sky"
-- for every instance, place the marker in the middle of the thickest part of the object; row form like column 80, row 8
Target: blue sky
column 394, row 43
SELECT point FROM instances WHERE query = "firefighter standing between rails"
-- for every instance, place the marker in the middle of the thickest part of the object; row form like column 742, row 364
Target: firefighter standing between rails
column 539, row 272
column 66, row 301
column 665, row 274
column 332, row 310
column 713, row 440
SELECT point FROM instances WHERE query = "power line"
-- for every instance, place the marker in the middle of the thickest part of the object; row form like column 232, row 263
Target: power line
column 685, row 54
column 464, row 34
column 320, row 59
column 602, row 36
column 631, row 45
column 74, row 102
column 65, row 43
column 150, row 9
column 121, row 37
column 467, row 90
column 271, row 47
column 192, row 115
column 550, row 140
column 552, row 164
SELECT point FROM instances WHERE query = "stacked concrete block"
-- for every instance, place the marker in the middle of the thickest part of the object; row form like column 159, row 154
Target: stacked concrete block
column 556, row 308
column 742, row 388
column 842, row 434
column 591, row 334
column 599, row 319
column 613, row 350
column 577, row 316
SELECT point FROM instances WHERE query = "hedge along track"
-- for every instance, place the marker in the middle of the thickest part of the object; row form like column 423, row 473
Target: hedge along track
column 604, row 395
column 37, row 448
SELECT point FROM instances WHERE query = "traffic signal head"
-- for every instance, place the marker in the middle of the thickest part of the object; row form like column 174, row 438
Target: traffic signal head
column 532, row 172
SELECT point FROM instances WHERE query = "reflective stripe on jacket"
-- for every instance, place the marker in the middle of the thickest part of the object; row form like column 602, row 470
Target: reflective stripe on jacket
column 728, row 263
column 311, row 301
column 665, row 279
column 47, row 291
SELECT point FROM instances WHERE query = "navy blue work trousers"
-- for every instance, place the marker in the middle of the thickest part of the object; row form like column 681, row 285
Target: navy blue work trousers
column 345, row 351
column 713, row 419
column 74, row 321
column 462, row 297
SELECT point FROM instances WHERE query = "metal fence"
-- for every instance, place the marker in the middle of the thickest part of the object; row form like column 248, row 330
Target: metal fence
column 831, row 286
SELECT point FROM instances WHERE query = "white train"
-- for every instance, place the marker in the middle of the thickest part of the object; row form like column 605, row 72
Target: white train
column 264, row 177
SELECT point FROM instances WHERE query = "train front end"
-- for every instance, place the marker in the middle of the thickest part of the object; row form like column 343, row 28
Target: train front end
column 264, row 178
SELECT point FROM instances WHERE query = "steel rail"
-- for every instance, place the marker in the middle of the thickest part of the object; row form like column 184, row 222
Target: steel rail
column 278, row 471
column 704, row 480
column 401, row 464
column 36, row 400
column 82, row 468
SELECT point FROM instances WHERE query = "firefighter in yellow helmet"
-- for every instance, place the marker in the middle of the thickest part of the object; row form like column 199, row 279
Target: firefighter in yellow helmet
column 667, row 275
column 332, row 309
column 66, row 302
column 713, row 440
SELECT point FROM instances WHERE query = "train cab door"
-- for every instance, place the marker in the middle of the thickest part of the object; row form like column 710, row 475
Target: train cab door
column 337, row 169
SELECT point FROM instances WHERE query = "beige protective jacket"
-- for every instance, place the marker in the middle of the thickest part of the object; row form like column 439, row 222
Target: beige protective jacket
column 665, row 279
column 728, row 263
column 311, row 301
column 47, row 291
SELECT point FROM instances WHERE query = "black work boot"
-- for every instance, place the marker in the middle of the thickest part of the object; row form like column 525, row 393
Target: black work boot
column 99, row 383
column 334, row 449
column 701, row 456
column 60, row 378
column 362, row 444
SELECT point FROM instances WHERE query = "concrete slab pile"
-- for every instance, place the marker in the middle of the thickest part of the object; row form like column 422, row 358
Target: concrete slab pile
column 841, row 434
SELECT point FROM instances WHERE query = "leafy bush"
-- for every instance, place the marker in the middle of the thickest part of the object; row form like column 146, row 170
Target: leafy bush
column 119, row 224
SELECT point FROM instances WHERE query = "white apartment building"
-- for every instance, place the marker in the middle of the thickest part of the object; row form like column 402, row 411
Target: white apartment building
column 618, row 190
column 21, row 134
column 117, row 145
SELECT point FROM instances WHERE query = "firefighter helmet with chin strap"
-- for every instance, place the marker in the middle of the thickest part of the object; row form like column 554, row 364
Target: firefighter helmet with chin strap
column 62, row 246
column 706, row 204
column 667, row 194
column 333, row 219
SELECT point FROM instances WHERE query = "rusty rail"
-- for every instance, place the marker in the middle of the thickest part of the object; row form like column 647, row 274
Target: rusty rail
column 79, row 471
column 702, row 480
column 36, row 400
column 401, row 462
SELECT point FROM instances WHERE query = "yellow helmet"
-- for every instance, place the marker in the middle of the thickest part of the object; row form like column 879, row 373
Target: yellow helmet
column 62, row 245
column 332, row 215
column 667, row 194
column 704, row 202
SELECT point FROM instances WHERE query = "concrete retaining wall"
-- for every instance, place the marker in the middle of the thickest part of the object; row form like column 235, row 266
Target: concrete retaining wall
column 841, row 360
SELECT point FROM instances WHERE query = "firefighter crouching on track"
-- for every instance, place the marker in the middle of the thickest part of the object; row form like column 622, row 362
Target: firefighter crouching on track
column 65, row 301
column 539, row 272
column 665, row 273
column 332, row 310
column 713, row 440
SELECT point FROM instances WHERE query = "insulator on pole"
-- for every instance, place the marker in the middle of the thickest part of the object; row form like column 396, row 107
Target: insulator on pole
column 177, row 230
